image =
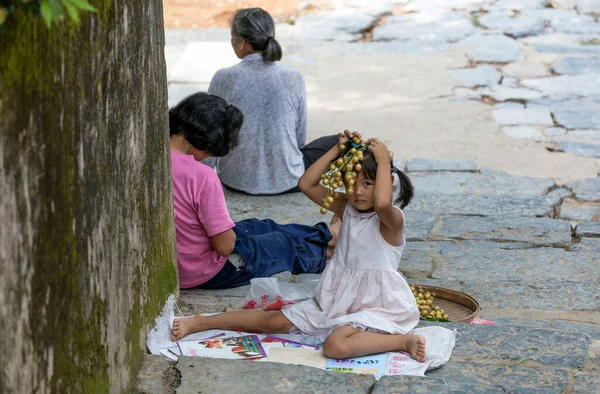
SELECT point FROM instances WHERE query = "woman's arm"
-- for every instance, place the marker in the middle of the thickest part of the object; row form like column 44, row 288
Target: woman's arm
column 389, row 216
column 223, row 243
column 310, row 182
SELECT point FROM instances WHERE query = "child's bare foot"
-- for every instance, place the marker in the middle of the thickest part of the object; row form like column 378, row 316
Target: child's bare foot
column 186, row 326
column 415, row 347
column 334, row 228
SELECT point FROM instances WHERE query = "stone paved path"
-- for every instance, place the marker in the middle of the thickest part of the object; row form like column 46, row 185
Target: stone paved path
column 494, row 236
column 526, row 247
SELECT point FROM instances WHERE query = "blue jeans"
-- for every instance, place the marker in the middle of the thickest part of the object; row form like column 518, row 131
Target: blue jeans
column 269, row 248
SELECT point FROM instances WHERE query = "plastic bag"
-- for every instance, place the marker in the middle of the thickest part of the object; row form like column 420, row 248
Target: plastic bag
column 271, row 295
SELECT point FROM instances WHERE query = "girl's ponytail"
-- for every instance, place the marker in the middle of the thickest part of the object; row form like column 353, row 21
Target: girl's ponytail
column 406, row 189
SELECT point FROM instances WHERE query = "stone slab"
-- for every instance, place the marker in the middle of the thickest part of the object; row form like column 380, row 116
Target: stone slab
column 199, row 374
column 580, row 148
column 489, row 262
column 417, row 384
column 588, row 6
column 593, row 135
column 509, row 104
column 157, row 376
column 504, row 93
column 509, row 344
column 586, row 189
column 190, row 303
column 573, row 210
column 514, row 379
column 577, row 65
column 583, row 28
column 494, row 48
column 343, row 24
column 483, row 205
column 419, row 225
column 478, row 76
column 553, row 15
column 421, row 259
column 433, row 165
column 511, row 295
column 587, row 229
column 532, row 116
column 419, row 29
column 519, row 5
column 577, row 118
column 525, row 70
column 587, row 383
column 559, row 193
column 566, row 85
column 590, row 103
column 477, row 184
column 285, row 208
column 590, row 330
column 561, row 43
column 524, row 132
column 535, row 231
column 513, row 26
column 552, row 132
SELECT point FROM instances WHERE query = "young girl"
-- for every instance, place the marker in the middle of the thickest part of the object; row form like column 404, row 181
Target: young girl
column 362, row 304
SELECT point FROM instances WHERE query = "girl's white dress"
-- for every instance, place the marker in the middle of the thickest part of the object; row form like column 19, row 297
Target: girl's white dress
column 360, row 286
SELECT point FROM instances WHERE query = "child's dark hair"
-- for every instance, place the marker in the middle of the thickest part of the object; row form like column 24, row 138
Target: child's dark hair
column 369, row 170
column 207, row 122
column 256, row 27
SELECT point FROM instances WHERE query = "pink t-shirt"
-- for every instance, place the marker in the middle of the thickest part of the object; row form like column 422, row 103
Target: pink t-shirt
column 200, row 213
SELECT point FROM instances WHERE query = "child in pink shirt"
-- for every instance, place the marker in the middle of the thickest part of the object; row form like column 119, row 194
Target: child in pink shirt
column 212, row 250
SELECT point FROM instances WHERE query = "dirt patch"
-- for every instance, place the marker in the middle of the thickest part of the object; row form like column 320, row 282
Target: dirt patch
column 202, row 14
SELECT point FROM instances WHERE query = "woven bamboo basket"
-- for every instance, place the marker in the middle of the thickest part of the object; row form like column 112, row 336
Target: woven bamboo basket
column 460, row 307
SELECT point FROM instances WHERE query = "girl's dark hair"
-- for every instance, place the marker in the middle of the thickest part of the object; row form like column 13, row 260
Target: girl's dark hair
column 207, row 122
column 369, row 170
column 256, row 27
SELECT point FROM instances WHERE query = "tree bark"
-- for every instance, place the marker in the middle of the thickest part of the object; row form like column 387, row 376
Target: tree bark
column 87, row 242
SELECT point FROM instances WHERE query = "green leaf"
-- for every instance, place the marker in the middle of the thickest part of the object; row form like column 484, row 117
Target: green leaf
column 56, row 9
column 46, row 12
column 3, row 15
column 72, row 11
column 84, row 5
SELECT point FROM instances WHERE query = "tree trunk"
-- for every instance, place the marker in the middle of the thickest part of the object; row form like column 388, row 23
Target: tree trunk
column 87, row 243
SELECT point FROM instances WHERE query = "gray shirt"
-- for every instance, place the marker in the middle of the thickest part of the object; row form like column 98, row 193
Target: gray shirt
column 268, row 159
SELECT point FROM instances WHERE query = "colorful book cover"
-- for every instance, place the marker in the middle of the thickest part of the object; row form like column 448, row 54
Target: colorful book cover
column 244, row 347
column 372, row 365
column 270, row 339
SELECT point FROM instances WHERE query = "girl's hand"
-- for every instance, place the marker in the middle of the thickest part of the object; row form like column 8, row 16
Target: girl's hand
column 379, row 150
column 347, row 135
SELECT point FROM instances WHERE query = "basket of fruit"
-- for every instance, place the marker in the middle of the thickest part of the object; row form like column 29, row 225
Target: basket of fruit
column 445, row 305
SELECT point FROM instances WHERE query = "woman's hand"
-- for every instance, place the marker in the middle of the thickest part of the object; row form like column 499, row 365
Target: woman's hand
column 347, row 135
column 379, row 151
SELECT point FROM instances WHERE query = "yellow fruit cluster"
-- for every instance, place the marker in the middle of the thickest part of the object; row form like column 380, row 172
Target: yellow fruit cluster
column 427, row 310
column 342, row 172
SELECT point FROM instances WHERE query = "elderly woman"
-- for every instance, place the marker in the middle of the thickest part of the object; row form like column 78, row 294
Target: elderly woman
column 212, row 250
column 273, row 153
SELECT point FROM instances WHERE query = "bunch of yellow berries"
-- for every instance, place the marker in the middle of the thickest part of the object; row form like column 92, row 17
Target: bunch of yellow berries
column 427, row 310
column 342, row 172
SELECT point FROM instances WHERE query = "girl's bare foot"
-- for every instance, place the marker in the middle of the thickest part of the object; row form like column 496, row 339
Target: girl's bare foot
column 186, row 326
column 415, row 347
column 334, row 228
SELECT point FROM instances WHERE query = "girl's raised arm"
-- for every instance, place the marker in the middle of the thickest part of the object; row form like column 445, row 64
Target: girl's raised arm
column 390, row 217
column 310, row 182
